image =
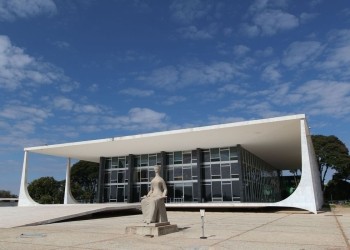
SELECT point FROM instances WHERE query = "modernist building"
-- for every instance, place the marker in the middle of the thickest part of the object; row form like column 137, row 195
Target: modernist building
column 228, row 165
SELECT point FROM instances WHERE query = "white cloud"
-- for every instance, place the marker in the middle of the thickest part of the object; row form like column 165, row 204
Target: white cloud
column 18, row 69
column 271, row 73
column 136, row 92
column 138, row 119
column 326, row 97
column 335, row 63
column 306, row 17
column 265, row 52
column 186, row 11
column 191, row 74
column 272, row 21
column 13, row 9
column 301, row 53
column 267, row 17
column 171, row 100
column 240, row 50
column 192, row 32
column 18, row 112
column 64, row 103
column 249, row 30
column 61, row 44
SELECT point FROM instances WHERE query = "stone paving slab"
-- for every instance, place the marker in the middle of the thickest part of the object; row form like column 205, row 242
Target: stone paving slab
column 225, row 230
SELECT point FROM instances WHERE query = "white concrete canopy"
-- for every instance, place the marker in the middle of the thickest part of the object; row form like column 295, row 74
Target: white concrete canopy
column 284, row 142
column 276, row 140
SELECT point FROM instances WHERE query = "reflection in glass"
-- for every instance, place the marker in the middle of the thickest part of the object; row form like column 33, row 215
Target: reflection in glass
column 187, row 174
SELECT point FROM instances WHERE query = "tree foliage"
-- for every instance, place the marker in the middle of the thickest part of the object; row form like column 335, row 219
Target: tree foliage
column 337, row 189
column 46, row 190
column 331, row 153
column 7, row 194
column 84, row 179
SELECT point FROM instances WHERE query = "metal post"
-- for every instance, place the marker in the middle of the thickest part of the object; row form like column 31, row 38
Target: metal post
column 202, row 211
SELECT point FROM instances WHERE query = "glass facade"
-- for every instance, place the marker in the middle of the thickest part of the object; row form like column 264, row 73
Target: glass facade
column 116, row 179
column 260, row 181
column 228, row 174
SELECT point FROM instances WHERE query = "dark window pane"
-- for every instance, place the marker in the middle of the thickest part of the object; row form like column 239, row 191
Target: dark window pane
column 234, row 168
column 178, row 192
column 144, row 175
column 224, row 155
column 121, row 177
column 178, row 174
column 194, row 172
column 108, row 163
column 144, row 189
column 236, row 189
column 225, row 172
column 195, row 191
column 188, row 193
column 120, row 194
column 170, row 159
column 214, row 154
column 152, row 160
column 114, row 177
column 113, row 194
column 137, row 161
column 144, row 160
column 170, row 174
column 233, row 153
column 207, row 192
column 206, row 156
column 226, row 192
column 187, row 158
column 151, row 174
column 187, row 174
column 170, row 194
column 115, row 162
column 121, row 163
column 178, row 157
column 215, row 169
column 194, row 156
column 159, row 159
column 216, row 189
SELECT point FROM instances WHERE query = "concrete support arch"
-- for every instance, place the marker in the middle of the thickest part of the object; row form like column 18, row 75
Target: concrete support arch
column 24, row 198
column 68, row 197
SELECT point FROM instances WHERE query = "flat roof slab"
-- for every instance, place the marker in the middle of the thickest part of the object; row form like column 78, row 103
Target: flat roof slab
column 276, row 140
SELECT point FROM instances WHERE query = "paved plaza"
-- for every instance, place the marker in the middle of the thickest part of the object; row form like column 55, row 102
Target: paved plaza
column 277, row 229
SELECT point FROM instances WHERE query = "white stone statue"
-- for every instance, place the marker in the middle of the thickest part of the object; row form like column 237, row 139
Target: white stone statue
column 152, row 204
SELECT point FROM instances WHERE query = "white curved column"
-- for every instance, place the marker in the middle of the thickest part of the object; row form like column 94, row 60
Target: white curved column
column 308, row 194
column 24, row 198
column 68, row 197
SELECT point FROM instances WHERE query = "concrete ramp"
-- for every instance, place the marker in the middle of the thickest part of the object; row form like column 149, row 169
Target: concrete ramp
column 45, row 214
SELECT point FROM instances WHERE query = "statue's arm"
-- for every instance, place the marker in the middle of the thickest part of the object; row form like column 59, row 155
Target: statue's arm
column 165, row 189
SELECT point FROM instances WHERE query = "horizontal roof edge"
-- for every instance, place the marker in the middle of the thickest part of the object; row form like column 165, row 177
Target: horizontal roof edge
column 178, row 131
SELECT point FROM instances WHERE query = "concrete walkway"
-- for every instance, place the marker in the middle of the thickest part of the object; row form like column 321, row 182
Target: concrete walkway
column 225, row 230
column 44, row 214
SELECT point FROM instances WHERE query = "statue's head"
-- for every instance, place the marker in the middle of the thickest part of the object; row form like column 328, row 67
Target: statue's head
column 157, row 168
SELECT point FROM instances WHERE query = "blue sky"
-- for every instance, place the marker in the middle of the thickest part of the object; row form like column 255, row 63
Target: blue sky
column 73, row 70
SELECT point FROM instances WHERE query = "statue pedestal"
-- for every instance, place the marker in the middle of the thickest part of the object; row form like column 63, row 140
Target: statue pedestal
column 152, row 229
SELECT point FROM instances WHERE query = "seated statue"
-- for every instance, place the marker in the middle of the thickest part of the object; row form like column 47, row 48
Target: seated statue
column 152, row 204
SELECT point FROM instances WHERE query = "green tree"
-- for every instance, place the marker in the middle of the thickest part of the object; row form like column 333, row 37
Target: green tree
column 337, row 189
column 84, row 179
column 331, row 153
column 7, row 194
column 46, row 190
